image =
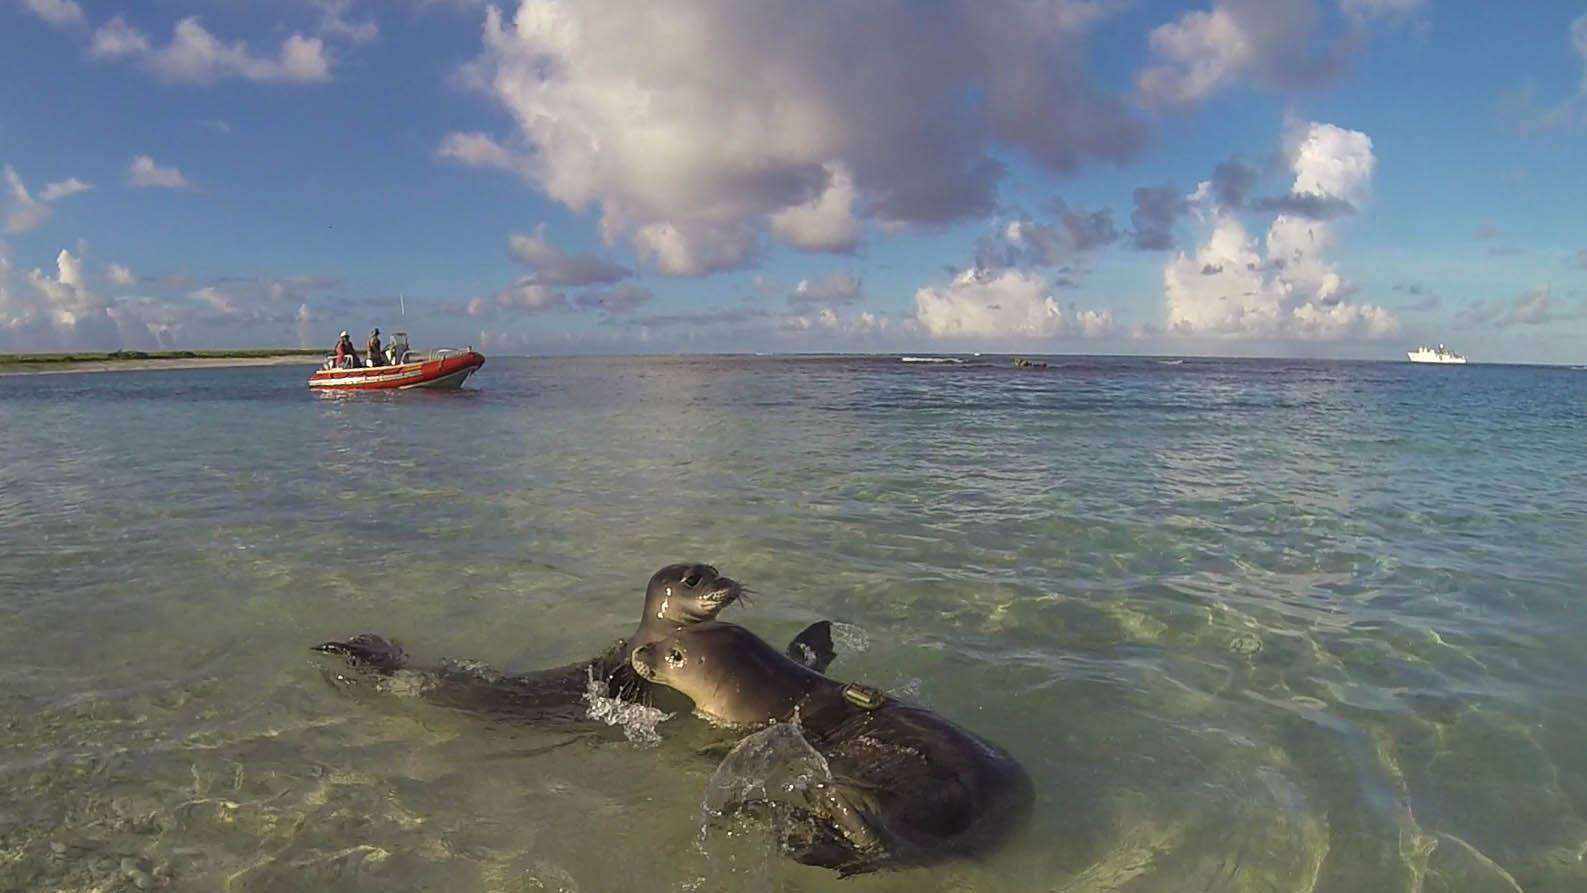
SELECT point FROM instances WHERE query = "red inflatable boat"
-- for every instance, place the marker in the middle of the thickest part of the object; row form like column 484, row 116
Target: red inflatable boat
column 445, row 368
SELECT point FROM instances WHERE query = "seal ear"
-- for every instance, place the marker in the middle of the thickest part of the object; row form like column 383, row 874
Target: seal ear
column 368, row 650
column 813, row 647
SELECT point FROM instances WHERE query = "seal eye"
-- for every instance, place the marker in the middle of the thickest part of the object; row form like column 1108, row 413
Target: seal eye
column 692, row 578
column 675, row 657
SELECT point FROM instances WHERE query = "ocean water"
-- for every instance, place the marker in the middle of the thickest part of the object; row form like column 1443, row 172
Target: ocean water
column 1250, row 625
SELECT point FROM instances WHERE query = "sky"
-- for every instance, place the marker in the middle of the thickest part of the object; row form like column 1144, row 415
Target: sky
column 1312, row 178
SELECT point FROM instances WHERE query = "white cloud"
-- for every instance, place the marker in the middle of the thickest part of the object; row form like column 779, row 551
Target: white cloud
column 59, row 312
column 1009, row 304
column 120, row 275
column 826, row 222
column 64, row 188
column 523, row 296
column 1275, row 43
column 691, row 248
column 116, row 39
column 194, row 55
column 480, row 150
column 22, row 211
column 694, row 132
column 45, row 312
column 836, row 290
column 144, row 173
column 1331, row 162
column 553, row 266
column 56, row 12
column 1287, row 288
column 335, row 23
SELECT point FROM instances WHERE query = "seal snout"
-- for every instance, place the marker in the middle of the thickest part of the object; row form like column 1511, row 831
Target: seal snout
column 726, row 592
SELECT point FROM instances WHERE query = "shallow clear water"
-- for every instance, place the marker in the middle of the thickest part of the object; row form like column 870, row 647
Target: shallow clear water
column 1251, row 625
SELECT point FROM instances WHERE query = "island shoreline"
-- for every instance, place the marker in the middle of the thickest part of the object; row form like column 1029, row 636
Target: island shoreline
column 156, row 363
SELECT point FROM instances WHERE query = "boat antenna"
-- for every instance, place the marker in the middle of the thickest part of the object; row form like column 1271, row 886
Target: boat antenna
column 402, row 304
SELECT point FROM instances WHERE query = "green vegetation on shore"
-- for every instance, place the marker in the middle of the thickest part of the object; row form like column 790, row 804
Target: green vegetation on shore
column 31, row 359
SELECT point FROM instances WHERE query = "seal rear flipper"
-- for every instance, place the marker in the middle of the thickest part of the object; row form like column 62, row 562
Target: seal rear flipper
column 368, row 651
column 813, row 647
column 811, row 839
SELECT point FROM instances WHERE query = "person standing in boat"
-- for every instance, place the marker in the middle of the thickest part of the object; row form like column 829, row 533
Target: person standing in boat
column 376, row 358
column 345, row 354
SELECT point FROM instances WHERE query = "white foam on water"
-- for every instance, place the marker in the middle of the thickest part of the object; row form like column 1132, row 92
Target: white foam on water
column 850, row 637
column 637, row 721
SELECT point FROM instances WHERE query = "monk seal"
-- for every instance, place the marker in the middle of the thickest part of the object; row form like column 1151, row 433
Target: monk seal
column 676, row 596
column 908, row 787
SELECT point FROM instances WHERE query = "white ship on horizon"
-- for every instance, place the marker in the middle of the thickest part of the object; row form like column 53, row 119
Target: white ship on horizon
column 1439, row 354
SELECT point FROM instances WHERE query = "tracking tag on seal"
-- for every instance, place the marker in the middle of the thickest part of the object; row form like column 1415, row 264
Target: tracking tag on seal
column 863, row 696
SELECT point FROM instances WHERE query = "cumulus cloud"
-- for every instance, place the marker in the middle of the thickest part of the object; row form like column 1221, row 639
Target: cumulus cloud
column 57, row 311
column 56, row 12
column 1025, row 242
column 828, row 323
column 194, row 55
column 1275, row 43
column 553, row 266
column 145, row 174
column 751, row 118
column 120, row 275
column 334, row 22
column 20, row 211
column 836, row 290
column 1284, row 287
column 1156, row 210
column 1009, row 304
column 826, row 222
column 482, row 150
column 523, row 296
column 621, row 300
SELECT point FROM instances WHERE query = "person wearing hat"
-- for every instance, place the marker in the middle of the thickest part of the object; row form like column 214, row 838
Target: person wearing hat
column 344, row 351
column 376, row 358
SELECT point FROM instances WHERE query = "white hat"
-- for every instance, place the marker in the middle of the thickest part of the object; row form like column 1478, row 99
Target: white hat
column 343, row 334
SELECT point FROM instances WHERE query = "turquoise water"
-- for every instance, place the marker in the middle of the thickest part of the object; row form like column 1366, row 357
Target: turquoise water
column 1251, row 625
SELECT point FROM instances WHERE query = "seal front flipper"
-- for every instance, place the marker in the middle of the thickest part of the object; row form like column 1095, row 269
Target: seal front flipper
column 368, row 651
column 813, row 647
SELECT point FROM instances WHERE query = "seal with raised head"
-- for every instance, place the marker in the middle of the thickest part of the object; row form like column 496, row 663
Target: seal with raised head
column 677, row 596
column 907, row 786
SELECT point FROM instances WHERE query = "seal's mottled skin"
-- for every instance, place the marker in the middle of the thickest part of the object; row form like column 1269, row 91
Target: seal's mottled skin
column 908, row 787
column 677, row 596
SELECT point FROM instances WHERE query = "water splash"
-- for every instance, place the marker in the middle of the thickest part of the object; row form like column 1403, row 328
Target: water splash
column 637, row 721
column 850, row 637
column 774, row 764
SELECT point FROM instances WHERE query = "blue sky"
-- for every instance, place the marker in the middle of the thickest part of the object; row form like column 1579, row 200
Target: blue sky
column 1322, row 177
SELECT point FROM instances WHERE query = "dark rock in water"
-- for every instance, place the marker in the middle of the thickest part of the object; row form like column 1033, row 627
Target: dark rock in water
column 1022, row 363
